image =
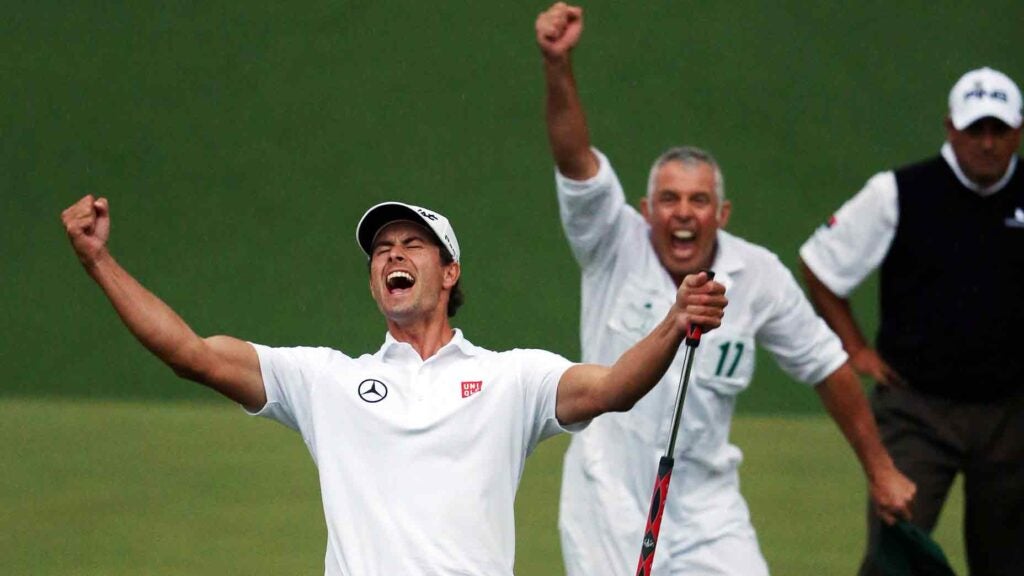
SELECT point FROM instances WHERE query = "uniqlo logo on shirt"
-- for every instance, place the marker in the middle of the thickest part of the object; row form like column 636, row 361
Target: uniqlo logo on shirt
column 470, row 388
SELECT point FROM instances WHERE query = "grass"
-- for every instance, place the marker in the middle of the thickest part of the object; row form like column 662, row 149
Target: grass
column 111, row 488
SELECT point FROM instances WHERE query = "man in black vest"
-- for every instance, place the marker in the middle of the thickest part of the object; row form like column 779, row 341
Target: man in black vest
column 949, row 361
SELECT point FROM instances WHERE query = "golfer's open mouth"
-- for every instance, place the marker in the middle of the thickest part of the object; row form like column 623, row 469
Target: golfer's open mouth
column 399, row 280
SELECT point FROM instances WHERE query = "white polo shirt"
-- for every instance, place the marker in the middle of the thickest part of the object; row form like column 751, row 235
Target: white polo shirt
column 610, row 467
column 842, row 252
column 419, row 461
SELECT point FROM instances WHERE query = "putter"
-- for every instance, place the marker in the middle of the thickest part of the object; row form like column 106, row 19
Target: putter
column 667, row 461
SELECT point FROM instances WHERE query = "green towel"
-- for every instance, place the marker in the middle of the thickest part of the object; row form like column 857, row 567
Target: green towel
column 906, row 550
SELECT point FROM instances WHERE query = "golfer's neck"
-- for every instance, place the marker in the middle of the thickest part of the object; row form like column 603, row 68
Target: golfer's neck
column 426, row 336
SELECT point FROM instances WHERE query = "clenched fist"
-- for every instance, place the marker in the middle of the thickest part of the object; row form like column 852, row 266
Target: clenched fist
column 87, row 223
column 701, row 302
column 558, row 30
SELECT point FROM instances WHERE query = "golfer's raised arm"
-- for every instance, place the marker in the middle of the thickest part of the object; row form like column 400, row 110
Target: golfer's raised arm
column 558, row 31
column 589, row 390
column 228, row 365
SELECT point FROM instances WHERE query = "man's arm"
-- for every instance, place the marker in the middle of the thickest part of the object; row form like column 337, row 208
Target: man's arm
column 558, row 31
column 227, row 365
column 837, row 313
column 891, row 492
column 589, row 390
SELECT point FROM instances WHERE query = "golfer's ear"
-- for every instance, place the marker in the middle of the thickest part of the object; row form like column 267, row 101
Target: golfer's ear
column 452, row 272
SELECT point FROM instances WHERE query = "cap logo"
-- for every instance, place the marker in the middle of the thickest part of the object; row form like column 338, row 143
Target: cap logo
column 428, row 215
column 979, row 92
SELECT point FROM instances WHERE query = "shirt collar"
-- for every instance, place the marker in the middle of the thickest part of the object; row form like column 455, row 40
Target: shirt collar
column 726, row 258
column 392, row 348
column 950, row 158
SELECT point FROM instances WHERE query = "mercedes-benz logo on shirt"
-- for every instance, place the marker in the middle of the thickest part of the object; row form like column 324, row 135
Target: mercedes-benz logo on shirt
column 372, row 391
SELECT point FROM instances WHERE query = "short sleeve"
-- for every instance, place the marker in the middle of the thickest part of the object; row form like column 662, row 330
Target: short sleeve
column 842, row 252
column 592, row 211
column 289, row 375
column 801, row 342
column 539, row 373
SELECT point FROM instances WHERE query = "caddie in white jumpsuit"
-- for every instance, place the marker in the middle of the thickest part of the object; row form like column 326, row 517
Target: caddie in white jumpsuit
column 631, row 263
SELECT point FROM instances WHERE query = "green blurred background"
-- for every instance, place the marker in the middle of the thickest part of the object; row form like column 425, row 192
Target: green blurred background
column 239, row 143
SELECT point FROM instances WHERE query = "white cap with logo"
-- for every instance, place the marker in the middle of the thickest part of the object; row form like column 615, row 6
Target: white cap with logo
column 383, row 214
column 981, row 93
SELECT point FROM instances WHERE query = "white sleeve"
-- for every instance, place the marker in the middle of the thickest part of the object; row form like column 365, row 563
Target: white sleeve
column 856, row 239
column 289, row 375
column 592, row 212
column 539, row 373
column 801, row 342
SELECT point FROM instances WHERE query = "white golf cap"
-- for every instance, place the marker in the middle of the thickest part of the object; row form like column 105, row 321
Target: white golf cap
column 383, row 214
column 981, row 93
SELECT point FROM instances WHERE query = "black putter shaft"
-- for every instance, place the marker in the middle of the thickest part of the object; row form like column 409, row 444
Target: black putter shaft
column 684, row 383
column 667, row 461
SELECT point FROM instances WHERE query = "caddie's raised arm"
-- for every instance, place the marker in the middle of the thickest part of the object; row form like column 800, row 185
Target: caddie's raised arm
column 589, row 390
column 228, row 365
column 558, row 31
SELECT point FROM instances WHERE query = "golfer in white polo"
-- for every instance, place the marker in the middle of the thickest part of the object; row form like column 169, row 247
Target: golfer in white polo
column 420, row 445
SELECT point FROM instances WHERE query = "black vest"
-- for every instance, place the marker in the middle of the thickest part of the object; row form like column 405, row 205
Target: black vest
column 952, row 286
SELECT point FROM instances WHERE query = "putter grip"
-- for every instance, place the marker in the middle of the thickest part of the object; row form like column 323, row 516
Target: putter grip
column 694, row 333
column 654, row 516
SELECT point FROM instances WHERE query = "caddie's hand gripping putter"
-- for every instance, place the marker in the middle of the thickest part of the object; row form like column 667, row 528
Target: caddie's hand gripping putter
column 667, row 461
